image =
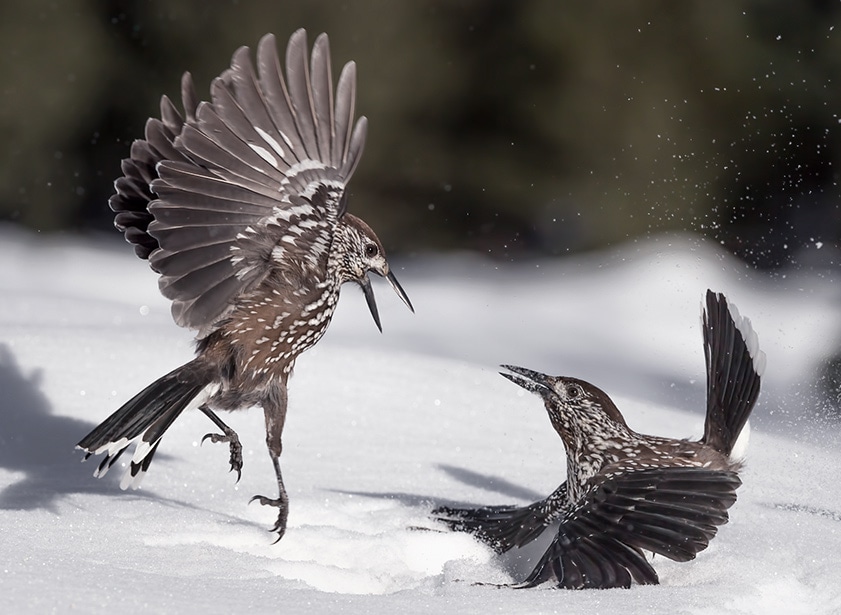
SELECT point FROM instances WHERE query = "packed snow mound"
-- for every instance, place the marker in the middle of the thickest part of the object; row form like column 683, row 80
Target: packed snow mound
column 382, row 428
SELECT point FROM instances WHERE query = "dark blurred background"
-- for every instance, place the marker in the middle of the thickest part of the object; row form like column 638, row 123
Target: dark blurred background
column 511, row 128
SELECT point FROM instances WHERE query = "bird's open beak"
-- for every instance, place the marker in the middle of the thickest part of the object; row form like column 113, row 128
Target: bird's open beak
column 528, row 379
column 365, row 284
column 399, row 290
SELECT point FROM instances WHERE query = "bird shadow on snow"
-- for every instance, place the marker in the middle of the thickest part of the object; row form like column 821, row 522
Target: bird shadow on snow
column 39, row 445
column 487, row 482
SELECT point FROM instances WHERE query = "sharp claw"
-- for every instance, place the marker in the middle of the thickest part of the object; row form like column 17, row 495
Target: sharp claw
column 280, row 524
column 215, row 437
column 280, row 528
column 235, row 446
column 280, row 534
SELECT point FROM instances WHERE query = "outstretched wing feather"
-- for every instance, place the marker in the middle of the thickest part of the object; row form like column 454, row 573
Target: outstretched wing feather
column 345, row 100
column 322, row 97
column 300, row 92
column 625, row 514
column 278, row 104
column 210, row 191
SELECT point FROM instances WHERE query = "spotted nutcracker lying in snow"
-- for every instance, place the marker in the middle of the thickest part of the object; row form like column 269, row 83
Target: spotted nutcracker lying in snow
column 627, row 493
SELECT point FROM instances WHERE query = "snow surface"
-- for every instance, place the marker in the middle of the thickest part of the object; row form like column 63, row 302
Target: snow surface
column 383, row 427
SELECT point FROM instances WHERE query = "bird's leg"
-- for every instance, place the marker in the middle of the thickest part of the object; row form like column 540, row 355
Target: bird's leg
column 281, row 501
column 274, row 409
column 228, row 435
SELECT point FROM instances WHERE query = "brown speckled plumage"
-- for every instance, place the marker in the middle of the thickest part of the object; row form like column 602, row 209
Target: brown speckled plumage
column 240, row 206
column 628, row 492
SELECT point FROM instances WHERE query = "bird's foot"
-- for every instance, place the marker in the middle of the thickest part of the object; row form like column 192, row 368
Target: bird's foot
column 231, row 437
column 283, row 513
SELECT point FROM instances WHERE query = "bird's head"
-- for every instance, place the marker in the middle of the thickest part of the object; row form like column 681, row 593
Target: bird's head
column 579, row 411
column 362, row 252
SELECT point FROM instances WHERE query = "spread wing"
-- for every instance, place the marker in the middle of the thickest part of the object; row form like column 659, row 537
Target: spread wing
column 505, row 527
column 671, row 511
column 134, row 191
column 256, row 182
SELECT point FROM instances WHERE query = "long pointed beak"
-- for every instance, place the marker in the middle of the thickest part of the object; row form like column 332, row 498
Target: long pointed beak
column 399, row 290
column 528, row 379
column 365, row 283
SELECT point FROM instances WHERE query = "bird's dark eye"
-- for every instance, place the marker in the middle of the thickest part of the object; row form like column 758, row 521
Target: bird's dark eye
column 573, row 391
column 371, row 250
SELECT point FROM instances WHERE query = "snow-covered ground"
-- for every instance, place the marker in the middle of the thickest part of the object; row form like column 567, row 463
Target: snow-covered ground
column 383, row 427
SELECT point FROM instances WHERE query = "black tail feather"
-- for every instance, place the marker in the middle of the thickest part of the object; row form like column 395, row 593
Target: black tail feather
column 734, row 369
column 147, row 416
